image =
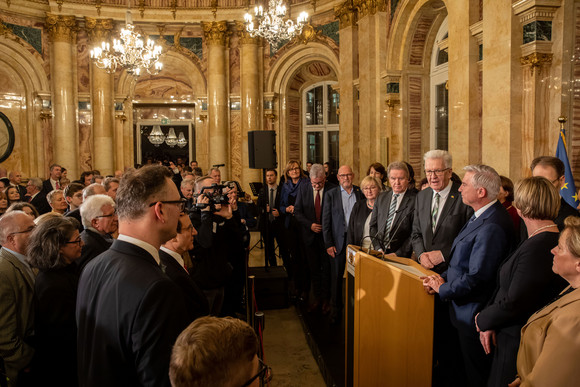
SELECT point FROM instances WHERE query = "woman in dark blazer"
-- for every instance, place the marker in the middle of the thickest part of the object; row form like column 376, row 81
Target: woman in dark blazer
column 53, row 247
column 526, row 280
column 360, row 217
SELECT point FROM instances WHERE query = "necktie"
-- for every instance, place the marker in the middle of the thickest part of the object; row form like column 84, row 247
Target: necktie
column 317, row 207
column 271, row 202
column 57, row 185
column 392, row 211
column 435, row 212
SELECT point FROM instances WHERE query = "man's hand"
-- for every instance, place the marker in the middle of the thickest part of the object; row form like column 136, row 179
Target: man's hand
column 515, row 383
column 433, row 282
column 275, row 212
column 315, row 227
column 426, row 286
column 233, row 202
column 331, row 251
column 225, row 211
column 487, row 338
column 430, row 259
column 203, row 199
column 290, row 209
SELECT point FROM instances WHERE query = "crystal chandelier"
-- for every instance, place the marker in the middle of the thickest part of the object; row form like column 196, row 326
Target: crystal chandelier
column 171, row 138
column 273, row 25
column 156, row 137
column 181, row 141
column 129, row 52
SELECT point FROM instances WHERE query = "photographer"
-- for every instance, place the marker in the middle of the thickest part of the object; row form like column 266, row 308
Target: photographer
column 218, row 232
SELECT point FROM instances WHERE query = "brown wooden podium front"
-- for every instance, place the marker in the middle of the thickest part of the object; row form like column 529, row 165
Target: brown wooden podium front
column 389, row 321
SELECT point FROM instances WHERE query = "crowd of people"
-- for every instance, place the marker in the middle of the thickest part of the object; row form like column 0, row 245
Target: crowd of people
column 99, row 276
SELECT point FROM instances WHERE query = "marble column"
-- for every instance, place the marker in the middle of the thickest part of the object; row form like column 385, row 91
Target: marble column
column 394, row 124
column 216, row 35
column 62, row 33
column 251, row 96
column 119, row 141
column 102, row 100
column 348, row 118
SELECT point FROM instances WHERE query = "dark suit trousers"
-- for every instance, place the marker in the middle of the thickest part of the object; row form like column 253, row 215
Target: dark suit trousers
column 319, row 269
column 272, row 232
column 337, row 265
column 503, row 367
column 477, row 363
column 294, row 245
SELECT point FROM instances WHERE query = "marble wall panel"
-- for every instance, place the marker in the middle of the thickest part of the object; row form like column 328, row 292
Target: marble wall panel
column 574, row 151
column 293, row 136
column 234, row 65
column 236, row 142
column 169, row 84
column 85, row 142
column 83, row 62
column 419, row 37
column 415, row 123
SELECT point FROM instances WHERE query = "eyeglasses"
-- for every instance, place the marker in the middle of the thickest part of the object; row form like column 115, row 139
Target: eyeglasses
column 107, row 216
column 77, row 241
column 436, row 171
column 295, row 169
column 29, row 229
column 370, row 188
column 265, row 375
column 344, row 176
column 180, row 203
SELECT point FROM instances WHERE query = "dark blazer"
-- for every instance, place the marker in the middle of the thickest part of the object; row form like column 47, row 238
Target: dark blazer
column 195, row 300
column 40, row 203
column 263, row 200
column 46, row 186
column 400, row 233
column 333, row 222
column 453, row 216
column 304, row 211
column 358, row 217
column 128, row 315
column 476, row 254
column 55, row 362
column 94, row 244
column 565, row 211
column 77, row 215
column 526, row 284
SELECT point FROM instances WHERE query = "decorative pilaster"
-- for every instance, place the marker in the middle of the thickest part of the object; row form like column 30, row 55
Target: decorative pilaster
column 216, row 35
column 346, row 14
column 62, row 32
column 102, row 100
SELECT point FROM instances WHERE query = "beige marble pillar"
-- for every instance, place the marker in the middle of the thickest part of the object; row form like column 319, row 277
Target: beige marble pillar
column 62, row 33
column 393, row 139
column 251, row 96
column 216, row 36
column 119, row 141
column 102, row 100
column 348, row 118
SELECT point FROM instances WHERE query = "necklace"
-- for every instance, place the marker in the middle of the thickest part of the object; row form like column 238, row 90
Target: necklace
column 370, row 205
column 541, row 228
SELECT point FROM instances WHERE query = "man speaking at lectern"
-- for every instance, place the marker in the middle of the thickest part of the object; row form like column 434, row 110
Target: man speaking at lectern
column 475, row 256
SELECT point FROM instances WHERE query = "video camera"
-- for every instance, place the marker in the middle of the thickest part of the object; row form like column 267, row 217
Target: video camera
column 215, row 194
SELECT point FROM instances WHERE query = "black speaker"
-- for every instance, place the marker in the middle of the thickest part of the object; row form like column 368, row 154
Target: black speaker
column 262, row 149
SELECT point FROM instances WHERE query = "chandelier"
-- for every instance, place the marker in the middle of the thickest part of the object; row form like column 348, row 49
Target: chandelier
column 156, row 137
column 129, row 52
column 171, row 138
column 273, row 25
column 181, row 141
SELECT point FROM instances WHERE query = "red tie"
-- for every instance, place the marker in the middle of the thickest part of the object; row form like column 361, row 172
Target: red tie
column 317, row 207
column 185, row 267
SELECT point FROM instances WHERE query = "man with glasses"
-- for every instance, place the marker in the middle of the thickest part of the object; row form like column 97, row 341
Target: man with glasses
column 128, row 312
column 36, row 196
column 308, row 212
column 217, row 352
column 335, row 218
column 16, row 295
column 100, row 221
column 392, row 218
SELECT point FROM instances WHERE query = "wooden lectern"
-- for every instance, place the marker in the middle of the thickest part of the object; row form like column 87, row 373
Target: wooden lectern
column 389, row 323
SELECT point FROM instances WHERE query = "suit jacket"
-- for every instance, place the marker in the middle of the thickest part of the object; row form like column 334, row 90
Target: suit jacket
column 476, row 254
column 333, row 222
column 400, row 233
column 46, row 186
column 94, row 245
column 304, row 210
column 550, row 344
column 77, row 215
column 452, row 218
column 263, row 201
column 358, row 217
column 40, row 203
column 17, row 314
column 128, row 317
column 195, row 300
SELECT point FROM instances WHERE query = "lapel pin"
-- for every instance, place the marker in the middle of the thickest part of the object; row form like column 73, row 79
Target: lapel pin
column 452, row 197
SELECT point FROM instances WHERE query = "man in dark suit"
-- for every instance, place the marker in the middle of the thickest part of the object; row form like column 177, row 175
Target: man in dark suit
column 335, row 218
column 392, row 220
column 552, row 168
column 271, row 222
column 15, row 178
column 477, row 251
column 439, row 213
column 308, row 212
column 53, row 181
column 172, row 263
column 36, row 196
column 99, row 218
column 128, row 312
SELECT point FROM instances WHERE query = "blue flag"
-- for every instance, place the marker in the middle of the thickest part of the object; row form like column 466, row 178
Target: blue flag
column 568, row 190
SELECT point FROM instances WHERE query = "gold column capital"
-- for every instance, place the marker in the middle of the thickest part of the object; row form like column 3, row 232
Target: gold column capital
column 98, row 29
column 370, row 7
column 536, row 60
column 244, row 35
column 61, row 28
column 216, row 33
column 346, row 14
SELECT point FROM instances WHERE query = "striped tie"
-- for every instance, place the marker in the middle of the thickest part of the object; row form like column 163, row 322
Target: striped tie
column 435, row 212
column 392, row 211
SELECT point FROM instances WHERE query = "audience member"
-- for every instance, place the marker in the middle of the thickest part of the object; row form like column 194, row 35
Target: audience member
column 526, row 280
column 15, row 178
column 392, row 219
column 330, row 175
column 13, row 195
column 478, row 250
column 506, row 198
column 210, row 341
column 86, row 177
column 45, row 217
column 53, row 248
column 412, row 182
column 359, row 227
column 216, row 175
column 2, row 185
column 118, row 174
column 73, row 195
column 100, row 222
column 377, row 170
column 335, row 217
column 16, row 297
column 550, row 342
column 53, row 181
column 111, row 185
column 187, row 192
column 128, row 311
column 36, row 195
column 97, row 179
column 56, row 201
column 271, row 222
column 3, row 203
column 27, row 208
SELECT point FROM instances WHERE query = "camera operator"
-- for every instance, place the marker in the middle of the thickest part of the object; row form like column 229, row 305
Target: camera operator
column 218, row 231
